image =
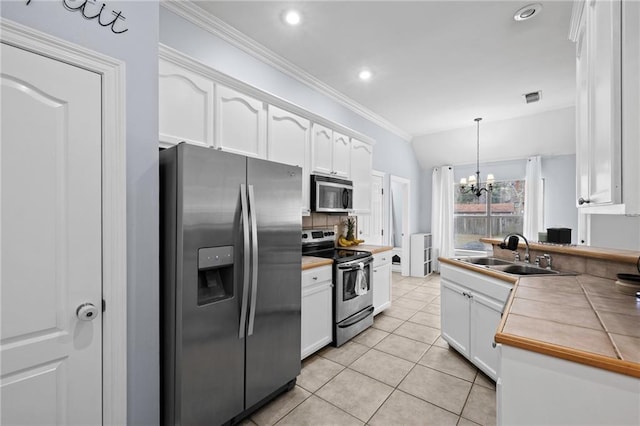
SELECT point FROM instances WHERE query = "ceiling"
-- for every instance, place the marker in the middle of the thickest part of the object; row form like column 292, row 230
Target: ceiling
column 436, row 64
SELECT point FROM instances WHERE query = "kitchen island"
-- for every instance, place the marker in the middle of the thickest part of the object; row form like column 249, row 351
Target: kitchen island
column 569, row 346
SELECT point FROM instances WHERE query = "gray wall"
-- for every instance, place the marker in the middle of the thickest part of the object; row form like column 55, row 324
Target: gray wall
column 391, row 154
column 138, row 47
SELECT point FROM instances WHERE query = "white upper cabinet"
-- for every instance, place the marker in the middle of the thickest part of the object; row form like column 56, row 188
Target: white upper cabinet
column 288, row 141
column 240, row 123
column 330, row 152
column 185, row 106
column 361, row 163
column 322, row 149
column 607, row 57
column 341, row 156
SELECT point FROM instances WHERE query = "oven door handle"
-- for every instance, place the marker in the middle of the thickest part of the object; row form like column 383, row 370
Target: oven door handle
column 352, row 265
column 356, row 318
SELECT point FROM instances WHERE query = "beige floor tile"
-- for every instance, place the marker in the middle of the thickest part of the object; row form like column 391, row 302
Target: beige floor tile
column 449, row 361
column 345, row 354
column 246, row 422
column 397, row 293
column 355, row 393
column 370, row 337
column 280, row 407
column 418, row 332
column 400, row 312
column 381, row 366
column 432, row 308
column 427, row 290
column 438, row 388
column 465, row 422
column 404, row 409
column 425, row 318
column 315, row 411
column 404, row 286
column 317, row 371
column 386, row 323
column 483, row 380
column 402, row 347
column 409, row 303
column 481, row 406
column 432, row 284
column 422, row 297
column 413, row 280
column 440, row 342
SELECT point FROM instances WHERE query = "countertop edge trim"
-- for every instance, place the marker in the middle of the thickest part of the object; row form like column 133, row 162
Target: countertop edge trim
column 626, row 368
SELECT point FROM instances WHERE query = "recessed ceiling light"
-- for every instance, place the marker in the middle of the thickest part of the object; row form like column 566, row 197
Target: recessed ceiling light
column 528, row 12
column 364, row 74
column 292, row 17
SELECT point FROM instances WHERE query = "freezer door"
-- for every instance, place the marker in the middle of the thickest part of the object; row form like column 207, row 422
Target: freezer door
column 210, row 358
column 273, row 344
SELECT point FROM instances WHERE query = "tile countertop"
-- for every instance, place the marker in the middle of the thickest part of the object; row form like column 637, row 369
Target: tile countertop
column 579, row 318
column 309, row 262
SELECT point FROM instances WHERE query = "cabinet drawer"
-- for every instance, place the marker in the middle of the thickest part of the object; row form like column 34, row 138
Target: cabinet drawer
column 380, row 259
column 316, row 275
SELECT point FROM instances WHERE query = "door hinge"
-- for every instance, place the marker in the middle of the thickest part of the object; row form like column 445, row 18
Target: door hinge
column 381, row 191
column 382, row 232
column 104, row 305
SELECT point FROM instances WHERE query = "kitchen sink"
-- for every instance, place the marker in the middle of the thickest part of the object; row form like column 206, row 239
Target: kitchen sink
column 485, row 261
column 525, row 269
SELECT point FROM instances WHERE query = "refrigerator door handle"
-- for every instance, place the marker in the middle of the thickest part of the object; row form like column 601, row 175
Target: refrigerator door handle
column 254, row 255
column 247, row 255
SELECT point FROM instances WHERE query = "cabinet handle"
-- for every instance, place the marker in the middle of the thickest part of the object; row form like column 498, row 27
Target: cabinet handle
column 493, row 344
column 582, row 201
column 315, row 278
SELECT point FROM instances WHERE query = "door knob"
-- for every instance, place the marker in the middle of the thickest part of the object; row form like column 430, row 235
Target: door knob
column 86, row 312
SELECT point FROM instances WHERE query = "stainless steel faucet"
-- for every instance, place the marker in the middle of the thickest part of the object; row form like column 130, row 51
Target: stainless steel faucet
column 546, row 257
column 526, row 254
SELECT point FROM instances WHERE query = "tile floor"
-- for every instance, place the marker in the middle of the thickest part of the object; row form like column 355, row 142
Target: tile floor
column 398, row 372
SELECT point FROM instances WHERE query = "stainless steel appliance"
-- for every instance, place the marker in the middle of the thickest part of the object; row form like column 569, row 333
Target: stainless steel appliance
column 230, row 283
column 331, row 195
column 353, row 292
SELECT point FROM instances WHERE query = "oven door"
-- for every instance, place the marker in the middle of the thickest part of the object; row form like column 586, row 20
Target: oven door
column 350, row 300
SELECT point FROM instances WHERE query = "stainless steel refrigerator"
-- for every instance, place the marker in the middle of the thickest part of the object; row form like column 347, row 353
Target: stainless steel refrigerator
column 230, row 283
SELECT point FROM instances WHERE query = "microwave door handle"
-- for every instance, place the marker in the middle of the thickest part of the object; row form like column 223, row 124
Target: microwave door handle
column 247, row 259
column 345, row 198
column 254, row 255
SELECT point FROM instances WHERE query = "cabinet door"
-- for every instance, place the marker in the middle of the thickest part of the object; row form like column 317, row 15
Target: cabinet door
column 454, row 316
column 604, row 103
column 382, row 285
column 240, row 123
column 322, row 149
column 485, row 318
column 185, row 104
column 582, row 110
column 341, row 156
column 316, row 311
column 288, row 142
column 361, row 159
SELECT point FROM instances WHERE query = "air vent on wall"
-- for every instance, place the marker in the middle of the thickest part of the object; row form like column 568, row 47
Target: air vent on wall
column 533, row 96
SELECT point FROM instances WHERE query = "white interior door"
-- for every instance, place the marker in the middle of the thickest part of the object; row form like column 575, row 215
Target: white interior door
column 399, row 208
column 50, row 204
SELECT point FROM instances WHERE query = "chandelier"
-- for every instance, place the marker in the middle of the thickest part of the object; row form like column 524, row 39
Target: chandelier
column 473, row 185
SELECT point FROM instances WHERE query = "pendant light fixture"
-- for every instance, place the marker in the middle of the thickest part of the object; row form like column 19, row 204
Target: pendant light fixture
column 473, row 185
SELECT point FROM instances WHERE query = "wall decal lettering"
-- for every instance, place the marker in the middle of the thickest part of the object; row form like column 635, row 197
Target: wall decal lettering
column 89, row 9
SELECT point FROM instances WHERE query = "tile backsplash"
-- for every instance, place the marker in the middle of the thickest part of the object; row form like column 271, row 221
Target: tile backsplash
column 325, row 221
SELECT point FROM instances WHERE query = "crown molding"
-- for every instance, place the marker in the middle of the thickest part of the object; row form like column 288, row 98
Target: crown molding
column 215, row 26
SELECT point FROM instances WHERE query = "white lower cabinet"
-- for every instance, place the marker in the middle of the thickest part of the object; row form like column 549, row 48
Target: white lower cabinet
column 471, row 308
column 538, row 389
column 317, row 310
column 381, row 281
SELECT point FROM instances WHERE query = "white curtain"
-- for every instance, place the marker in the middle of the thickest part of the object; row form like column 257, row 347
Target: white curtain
column 442, row 214
column 533, row 199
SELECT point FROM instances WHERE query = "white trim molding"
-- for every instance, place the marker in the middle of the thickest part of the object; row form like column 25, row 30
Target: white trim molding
column 217, row 27
column 114, row 241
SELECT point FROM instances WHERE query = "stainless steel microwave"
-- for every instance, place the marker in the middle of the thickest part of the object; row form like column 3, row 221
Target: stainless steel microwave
column 331, row 195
